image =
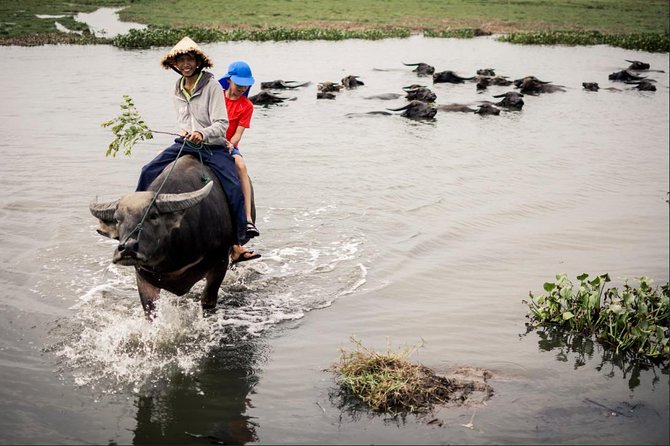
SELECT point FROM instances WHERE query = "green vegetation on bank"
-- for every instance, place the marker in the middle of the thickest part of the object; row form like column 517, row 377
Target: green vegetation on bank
column 651, row 42
column 609, row 16
column 164, row 36
column 634, row 321
column 632, row 24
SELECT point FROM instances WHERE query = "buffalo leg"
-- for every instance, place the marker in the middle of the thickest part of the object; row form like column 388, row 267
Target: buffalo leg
column 213, row 280
column 148, row 296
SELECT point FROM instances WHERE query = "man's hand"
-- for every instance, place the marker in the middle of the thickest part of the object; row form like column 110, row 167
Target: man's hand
column 195, row 137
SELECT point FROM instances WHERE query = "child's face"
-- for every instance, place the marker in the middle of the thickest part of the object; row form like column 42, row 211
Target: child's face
column 236, row 90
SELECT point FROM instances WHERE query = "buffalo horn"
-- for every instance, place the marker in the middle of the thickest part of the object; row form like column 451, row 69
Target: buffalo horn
column 178, row 202
column 398, row 109
column 103, row 211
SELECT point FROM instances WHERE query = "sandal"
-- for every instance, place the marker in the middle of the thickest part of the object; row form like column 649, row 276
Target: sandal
column 252, row 231
column 246, row 255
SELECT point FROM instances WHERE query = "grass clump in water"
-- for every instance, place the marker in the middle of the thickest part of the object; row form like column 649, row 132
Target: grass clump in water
column 389, row 382
column 634, row 321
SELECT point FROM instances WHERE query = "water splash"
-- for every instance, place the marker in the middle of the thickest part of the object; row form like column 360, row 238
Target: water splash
column 109, row 344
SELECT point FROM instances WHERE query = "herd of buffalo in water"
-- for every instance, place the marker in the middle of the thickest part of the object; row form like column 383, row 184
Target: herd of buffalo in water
column 421, row 99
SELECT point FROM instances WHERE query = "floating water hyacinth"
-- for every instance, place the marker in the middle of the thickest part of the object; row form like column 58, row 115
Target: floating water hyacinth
column 633, row 321
column 128, row 128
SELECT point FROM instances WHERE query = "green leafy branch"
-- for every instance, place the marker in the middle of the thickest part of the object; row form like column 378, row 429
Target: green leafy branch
column 128, row 128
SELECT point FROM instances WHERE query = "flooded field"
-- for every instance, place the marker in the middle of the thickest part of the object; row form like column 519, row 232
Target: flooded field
column 389, row 230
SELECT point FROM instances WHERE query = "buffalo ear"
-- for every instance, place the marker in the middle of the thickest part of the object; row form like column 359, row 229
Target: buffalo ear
column 108, row 228
column 104, row 212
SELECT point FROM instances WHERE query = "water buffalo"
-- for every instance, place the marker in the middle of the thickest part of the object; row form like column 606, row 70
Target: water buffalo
column 325, row 95
column 500, row 81
column 533, row 86
column 370, row 113
column 482, row 82
column 517, row 82
column 417, row 110
column 455, row 108
column 327, row 86
column 175, row 238
column 593, row 86
column 351, row 81
column 643, row 85
column 420, row 94
column 422, row 69
column 641, row 66
column 282, row 85
column 625, row 75
column 510, row 100
column 450, row 77
column 486, row 72
column 266, row 98
column 487, row 109
column 637, row 65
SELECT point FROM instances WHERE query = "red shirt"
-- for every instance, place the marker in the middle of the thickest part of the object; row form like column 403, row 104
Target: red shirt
column 239, row 114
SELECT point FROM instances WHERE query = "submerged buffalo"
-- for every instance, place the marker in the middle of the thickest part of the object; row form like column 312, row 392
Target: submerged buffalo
column 450, row 77
column 625, row 75
column 420, row 94
column 643, row 85
column 487, row 109
column 173, row 238
column 417, row 110
column 422, row 69
column 533, row 86
column 282, row 85
column 517, row 82
column 490, row 72
column 591, row 86
column 266, row 98
column 328, row 86
column 325, row 95
column 510, row 100
column 351, row 81
column 462, row 108
column 638, row 65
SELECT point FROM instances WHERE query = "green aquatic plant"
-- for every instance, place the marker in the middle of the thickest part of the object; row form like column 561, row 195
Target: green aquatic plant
column 651, row 42
column 633, row 320
column 128, row 128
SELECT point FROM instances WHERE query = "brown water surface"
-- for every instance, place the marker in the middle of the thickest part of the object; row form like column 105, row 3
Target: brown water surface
column 378, row 227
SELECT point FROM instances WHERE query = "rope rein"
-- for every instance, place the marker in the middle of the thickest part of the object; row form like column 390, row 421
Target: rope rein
column 205, row 179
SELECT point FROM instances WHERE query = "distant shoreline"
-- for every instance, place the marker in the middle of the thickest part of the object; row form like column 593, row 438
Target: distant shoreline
column 629, row 24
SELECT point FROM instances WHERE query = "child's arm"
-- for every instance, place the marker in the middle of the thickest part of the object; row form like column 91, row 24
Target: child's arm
column 235, row 139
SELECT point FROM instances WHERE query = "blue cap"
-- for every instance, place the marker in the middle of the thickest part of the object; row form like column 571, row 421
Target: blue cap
column 240, row 73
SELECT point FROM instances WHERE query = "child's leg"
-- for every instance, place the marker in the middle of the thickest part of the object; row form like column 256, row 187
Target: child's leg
column 244, row 182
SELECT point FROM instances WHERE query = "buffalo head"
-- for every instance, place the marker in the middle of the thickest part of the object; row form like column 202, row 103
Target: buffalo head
column 143, row 223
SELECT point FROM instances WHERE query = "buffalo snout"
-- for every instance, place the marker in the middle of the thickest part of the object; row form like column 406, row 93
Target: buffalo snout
column 127, row 252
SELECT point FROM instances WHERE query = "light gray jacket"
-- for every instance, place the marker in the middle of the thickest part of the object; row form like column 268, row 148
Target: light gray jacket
column 205, row 111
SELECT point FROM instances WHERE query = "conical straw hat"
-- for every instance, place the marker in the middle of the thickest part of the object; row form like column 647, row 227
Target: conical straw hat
column 185, row 45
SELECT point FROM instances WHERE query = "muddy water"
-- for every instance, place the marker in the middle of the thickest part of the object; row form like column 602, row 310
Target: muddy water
column 388, row 230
